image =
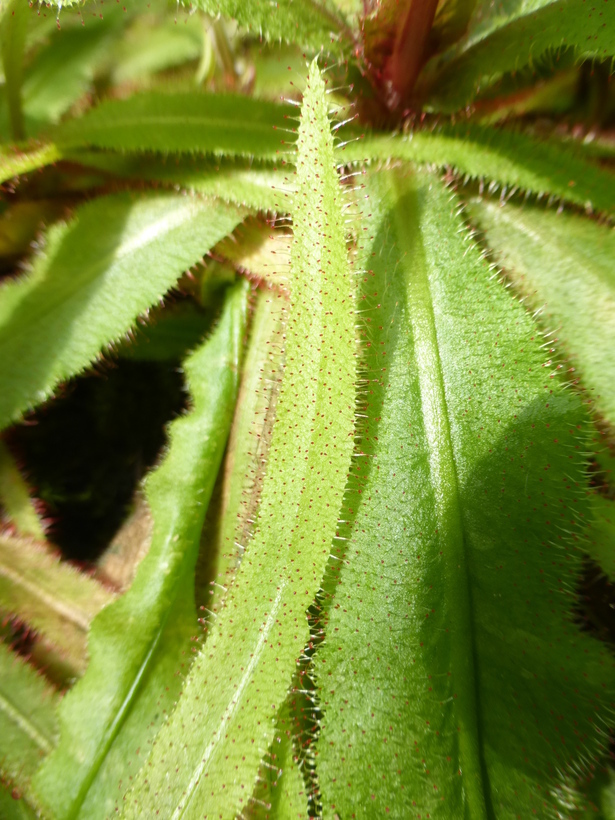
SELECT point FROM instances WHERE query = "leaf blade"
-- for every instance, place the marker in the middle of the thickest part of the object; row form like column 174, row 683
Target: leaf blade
column 94, row 714
column 90, row 286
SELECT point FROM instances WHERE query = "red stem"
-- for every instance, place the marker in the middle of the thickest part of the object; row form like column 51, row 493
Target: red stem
column 407, row 59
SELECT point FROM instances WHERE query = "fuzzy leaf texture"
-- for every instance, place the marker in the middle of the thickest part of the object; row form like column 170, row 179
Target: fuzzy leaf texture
column 310, row 23
column 140, row 645
column 451, row 664
column 511, row 40
column 562, row 266
column 509, row 159
column 221, row 124
column 89, row 285
column 226, row 714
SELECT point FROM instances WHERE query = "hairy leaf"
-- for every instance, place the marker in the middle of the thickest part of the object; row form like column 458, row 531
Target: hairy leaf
column 450, row 658
column 19, row 511
column 15, row 160
column 508, row 158
column 248, row 444
column 260, row 251
column 509, row 41
column 207, row 123
column 258, row 186
column 564, row 267
column 89, row 286
column 28, row 725
column 49, row 595
column 240, row 679
column 136, row 645
column 310, row 23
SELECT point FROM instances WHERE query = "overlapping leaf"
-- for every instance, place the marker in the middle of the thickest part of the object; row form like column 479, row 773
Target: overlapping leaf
column 140, row 646
column 514, row 34
column 562, row 265
column 117, row 257
column 227, row 712
column 451, row 661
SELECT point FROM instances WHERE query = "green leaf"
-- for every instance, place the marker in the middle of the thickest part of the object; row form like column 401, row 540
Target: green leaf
column 564, row 268
column 19, row 511
column 108, row 720
column 20, row 159
column 508, row 158
column 13, row 26
column 189, row 122
column 450, row 657
column 89, row 286
column 28, row 725
column 50, row 596
column 513, row 39
column 248, row 445
column 227, row 711
column 312, row 24
column 243, row 182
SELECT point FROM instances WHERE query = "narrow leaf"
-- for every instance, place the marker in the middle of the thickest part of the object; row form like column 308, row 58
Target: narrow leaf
column 136, row 645
column 19, row 511
column 311, row 24
column 89, row 286
column 50, row 596
column 15, row 160
column 450, row 656
column 508, row 42
column 226, row 714
column 510, row 159
column 27, row 718
column 564, row 268
column 189, row 122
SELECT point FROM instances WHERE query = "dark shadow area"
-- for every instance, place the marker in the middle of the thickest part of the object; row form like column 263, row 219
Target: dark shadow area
column 87, row 450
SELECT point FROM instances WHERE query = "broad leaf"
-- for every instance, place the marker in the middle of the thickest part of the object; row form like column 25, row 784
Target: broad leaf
column 509, row 41
column 226, row 714
column 138, row 645
column 563, row 267
column 28, row 725
column 510, row 159
column 450, row 659
column 207, row 123
column 19, row 510
column 50, row 596
column 89, row 286
column 310, row 23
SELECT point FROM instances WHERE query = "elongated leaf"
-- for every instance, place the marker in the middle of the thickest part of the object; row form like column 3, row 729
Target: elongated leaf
column 91, row 283
column 49, row 595
column 450, row 657
column 507, row 42
column 27, row 718
column 15, row 160
column 213, row 743
column 510, row 159
column 208, row 123
column 564, row 267
column 312, row 24
column 136, row 645
column 260, row 251
column 19, row 511
column 242, row 182
column 248, row 444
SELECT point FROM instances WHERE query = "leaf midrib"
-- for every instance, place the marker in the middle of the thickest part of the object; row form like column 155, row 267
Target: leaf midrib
column 443, row 470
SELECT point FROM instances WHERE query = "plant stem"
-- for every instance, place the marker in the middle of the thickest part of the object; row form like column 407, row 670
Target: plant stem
column 406, row 60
